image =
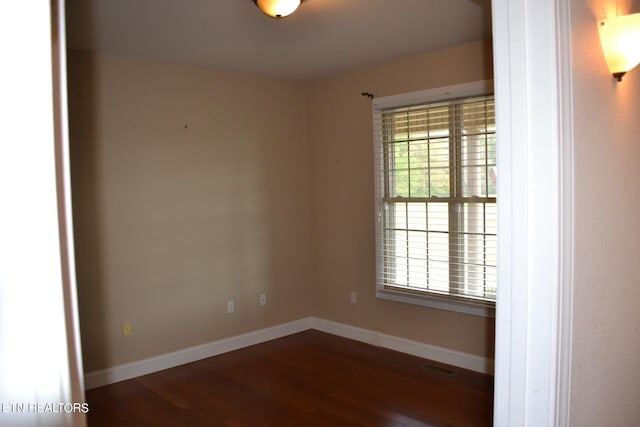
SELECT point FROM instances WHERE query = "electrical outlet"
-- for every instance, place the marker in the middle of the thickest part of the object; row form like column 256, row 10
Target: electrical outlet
column 263, row 299
column 126, row 329
column 230, row 307
column 354, row 297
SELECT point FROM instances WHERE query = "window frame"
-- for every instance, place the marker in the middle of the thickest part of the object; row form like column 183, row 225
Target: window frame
column 477, row 88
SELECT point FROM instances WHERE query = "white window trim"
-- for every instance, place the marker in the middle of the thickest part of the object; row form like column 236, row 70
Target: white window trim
column 476, row 88
column 481, row 87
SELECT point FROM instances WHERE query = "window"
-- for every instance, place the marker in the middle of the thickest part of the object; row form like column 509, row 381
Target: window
column 436, row 172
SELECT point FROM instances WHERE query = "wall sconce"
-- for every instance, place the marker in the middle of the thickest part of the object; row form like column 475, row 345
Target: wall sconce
column 278, row 8
column 620, row 38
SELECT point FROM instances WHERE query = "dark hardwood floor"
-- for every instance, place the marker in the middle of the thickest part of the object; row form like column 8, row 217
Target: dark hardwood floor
column 306, row 379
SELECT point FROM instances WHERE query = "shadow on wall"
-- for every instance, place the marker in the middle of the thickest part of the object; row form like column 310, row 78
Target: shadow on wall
column 85, row 172
column 486, row 16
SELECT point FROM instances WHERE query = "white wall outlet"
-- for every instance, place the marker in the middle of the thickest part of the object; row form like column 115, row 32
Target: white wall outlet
column 230, row 307
column 354, row 297
column 263, row 299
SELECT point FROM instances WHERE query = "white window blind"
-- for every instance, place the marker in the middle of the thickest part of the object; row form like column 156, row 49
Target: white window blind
column 436, row 199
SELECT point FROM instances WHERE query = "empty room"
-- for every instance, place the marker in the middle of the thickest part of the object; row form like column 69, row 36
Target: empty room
column 219, row 155
column 319, row 212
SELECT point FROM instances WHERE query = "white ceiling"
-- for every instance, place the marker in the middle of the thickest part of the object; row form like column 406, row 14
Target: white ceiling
column 323, row 37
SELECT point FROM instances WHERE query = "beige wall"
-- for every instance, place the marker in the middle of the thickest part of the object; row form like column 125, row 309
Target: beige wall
column 606, row 338
column 193, row 186
column 342, row 199
column 189, row 189
column 172, row 222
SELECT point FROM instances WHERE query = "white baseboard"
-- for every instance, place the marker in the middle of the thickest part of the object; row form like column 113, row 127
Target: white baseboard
column 415, row 348
column 192, row 354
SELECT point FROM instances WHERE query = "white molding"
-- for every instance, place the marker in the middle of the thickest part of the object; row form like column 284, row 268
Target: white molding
column 567, row 179
column 461, row 90
column 192, row 354
column 415, row 348
column 346, row 331
column 531, row 115
column 442, row 304
column 510, row 63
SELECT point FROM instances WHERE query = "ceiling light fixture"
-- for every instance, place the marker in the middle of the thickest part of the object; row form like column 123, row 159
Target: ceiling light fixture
column 278, row 8
column 620, row 38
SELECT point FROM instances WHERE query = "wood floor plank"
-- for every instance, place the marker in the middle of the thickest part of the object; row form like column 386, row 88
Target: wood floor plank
column 306, row 379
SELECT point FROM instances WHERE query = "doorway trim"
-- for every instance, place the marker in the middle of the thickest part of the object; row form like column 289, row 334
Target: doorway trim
column 532, row 63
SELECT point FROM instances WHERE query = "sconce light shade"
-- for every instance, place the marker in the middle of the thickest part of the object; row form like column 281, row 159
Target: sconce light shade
column 278, row 8
column 620, row 38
